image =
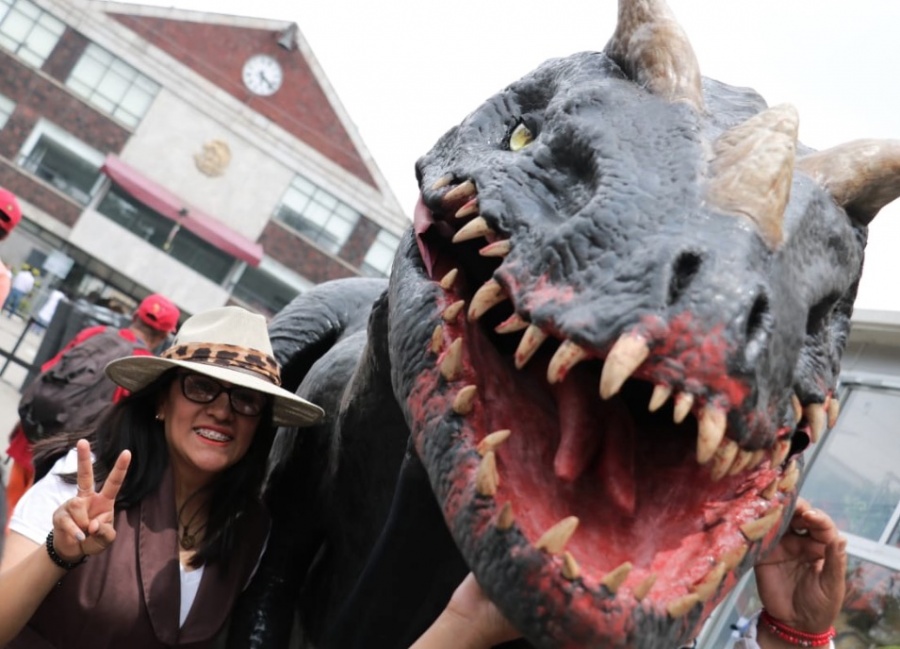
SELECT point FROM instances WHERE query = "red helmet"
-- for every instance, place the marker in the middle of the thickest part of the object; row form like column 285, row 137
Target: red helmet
column 10, row 212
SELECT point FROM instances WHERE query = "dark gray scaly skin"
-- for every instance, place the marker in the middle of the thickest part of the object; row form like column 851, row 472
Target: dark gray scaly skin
column 614, row 328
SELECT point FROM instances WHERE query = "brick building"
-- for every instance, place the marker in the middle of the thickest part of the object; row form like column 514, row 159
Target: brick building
column 199, row 155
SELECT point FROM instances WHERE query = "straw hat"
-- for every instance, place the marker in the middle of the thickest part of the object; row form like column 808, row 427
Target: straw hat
column 229, row 344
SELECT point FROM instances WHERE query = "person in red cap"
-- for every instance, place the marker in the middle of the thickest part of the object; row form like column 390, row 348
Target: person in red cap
column 10, row 215
column 155, row 318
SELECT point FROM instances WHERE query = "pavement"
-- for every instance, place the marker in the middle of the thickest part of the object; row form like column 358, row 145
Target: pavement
column 23, row 345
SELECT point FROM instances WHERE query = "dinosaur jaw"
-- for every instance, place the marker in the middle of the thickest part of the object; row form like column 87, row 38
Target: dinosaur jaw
column 586, row 519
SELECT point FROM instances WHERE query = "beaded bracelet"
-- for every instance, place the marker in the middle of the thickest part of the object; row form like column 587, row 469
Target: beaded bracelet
column 58, row 560
column 793, row 636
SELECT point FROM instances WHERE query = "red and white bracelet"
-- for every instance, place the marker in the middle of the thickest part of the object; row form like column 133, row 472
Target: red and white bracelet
column 792, row 635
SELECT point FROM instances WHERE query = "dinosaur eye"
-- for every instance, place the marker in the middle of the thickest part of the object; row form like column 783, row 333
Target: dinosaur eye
column 520, row 137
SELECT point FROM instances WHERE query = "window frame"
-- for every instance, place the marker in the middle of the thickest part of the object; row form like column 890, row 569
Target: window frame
column 39, row 20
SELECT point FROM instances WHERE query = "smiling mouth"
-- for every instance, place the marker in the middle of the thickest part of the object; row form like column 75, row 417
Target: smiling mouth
column 213, row 436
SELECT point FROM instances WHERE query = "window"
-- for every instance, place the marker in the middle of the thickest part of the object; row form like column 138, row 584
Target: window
column 317, row 215
column 855, row 477
column 268, row 288
column 112, row 85
column 27, row 31
column 165, row 234
column 381, row 255
column 62, row 160
column 7, row 106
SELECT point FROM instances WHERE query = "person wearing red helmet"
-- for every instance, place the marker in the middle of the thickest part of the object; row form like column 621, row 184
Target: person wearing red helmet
column 10, row 215
column 155, row 318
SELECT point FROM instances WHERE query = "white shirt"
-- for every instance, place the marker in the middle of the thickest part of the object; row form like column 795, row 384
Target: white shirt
column 23, row 281
column 33, row 519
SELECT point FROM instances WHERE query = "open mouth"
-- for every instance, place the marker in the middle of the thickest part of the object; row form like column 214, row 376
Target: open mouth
column 604, row 478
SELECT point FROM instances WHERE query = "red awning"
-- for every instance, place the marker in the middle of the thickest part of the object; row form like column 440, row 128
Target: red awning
column 161, row 200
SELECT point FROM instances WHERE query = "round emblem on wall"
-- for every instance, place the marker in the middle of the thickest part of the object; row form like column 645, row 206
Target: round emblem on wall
column 213, row 159
column 262, row 75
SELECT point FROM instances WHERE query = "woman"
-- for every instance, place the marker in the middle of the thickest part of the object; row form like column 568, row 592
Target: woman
column 180, row 462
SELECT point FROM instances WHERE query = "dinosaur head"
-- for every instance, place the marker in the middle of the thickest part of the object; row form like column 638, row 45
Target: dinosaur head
column 618, row 326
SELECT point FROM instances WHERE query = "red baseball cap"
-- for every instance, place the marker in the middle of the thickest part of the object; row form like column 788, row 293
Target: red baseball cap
column 159, row 313
column 10, row 212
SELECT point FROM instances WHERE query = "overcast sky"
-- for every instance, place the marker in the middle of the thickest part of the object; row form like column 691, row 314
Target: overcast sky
column 406, row 72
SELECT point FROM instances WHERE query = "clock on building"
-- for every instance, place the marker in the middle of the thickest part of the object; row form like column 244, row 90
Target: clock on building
column 262, row 75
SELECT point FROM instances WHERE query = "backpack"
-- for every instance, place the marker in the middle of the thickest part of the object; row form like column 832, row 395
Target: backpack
column 73, row 393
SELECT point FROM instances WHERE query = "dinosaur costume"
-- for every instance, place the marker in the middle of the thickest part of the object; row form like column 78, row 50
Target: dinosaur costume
column 614, row 327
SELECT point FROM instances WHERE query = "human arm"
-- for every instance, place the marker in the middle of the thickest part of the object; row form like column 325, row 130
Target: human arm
column 470, row 621
column 82, row 526
column 801, row 582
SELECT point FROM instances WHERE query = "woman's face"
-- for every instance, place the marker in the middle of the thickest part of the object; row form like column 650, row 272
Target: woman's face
column 206, row 438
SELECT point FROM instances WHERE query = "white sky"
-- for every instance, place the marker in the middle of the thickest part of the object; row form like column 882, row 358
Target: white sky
column 407, row 71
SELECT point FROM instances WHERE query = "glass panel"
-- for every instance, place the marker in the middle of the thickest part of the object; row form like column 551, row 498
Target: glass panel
column 28, row 9
column 125, row 117
column 88, row 71
column 7, row 106
column 201, row 256
column 262, row 291
column 339, row 228
column 325, row 199
column 16, row 26
column 871, row 613
column 113, row 87
column 316, row 213
column 41, row 41
column 855, row 476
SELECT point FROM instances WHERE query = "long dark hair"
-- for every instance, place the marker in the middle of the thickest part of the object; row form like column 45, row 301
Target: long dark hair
column 131, row 424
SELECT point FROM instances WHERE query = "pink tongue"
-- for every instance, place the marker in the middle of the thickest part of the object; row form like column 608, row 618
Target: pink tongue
column 586, row 424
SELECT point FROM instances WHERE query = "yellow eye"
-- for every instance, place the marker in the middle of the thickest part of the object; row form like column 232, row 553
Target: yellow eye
column 520, row 138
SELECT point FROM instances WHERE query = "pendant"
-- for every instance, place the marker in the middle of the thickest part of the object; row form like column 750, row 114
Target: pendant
column 187, row 541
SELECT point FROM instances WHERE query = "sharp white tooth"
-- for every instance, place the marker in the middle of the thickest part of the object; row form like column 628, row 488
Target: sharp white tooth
column 566, row 357
column 757, row 529
column 475, row 228
column 437, row 339
column 443, row 181
column 758, row 458
column 512, row 324
column 464, row 401
column 554, row 539
column 489, row 295
column 791, row 475
column 614, row 579
column 741, row 462
column 684, row 401
column 815, row 415
column 661, row 394
column 834, row 409
column 723, row 459
column 769, row 492
column 496, row 249
column 710, row 432
column 463, row 190
column 626, row 355
column 531, row 341
column 449, row 279
column 798, row 408
column 683, row 605
column 570, row 568
column 710, row 584
column 643, row 589
column 453, row 310
column 780, row 452
column 451, row 364
column 487, row 479
column 491, row 442
column 506, row 518
column 468, row 209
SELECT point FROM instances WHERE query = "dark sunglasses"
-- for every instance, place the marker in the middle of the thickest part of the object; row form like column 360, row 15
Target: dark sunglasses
column 203, row 389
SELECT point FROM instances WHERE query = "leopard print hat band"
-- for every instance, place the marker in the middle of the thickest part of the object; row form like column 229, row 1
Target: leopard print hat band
column 224, row 355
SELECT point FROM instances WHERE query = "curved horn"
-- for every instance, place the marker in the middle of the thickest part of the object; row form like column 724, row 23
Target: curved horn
column 863, row 175
column 752, row 169
column 654, row 51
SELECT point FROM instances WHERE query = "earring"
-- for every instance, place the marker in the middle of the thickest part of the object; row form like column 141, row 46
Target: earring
column 159, row 416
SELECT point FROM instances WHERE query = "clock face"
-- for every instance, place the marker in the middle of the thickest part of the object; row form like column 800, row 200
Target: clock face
column 262, row 75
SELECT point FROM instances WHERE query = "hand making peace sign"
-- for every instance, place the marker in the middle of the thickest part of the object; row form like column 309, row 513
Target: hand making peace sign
column 83, row 525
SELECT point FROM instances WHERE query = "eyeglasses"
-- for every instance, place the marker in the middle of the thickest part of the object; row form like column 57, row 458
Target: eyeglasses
column 203, row 389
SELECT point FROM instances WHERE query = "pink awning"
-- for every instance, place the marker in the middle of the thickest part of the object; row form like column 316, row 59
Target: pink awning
column 161, row 200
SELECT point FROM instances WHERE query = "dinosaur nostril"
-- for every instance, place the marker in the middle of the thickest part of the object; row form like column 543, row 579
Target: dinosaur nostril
column 756, row 320
column 818, row 314
column 684, row 270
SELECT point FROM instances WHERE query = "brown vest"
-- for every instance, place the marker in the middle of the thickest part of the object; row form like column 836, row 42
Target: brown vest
column 130, row 595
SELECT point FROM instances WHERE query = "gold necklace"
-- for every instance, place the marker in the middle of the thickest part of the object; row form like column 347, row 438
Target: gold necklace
column 188, row 540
